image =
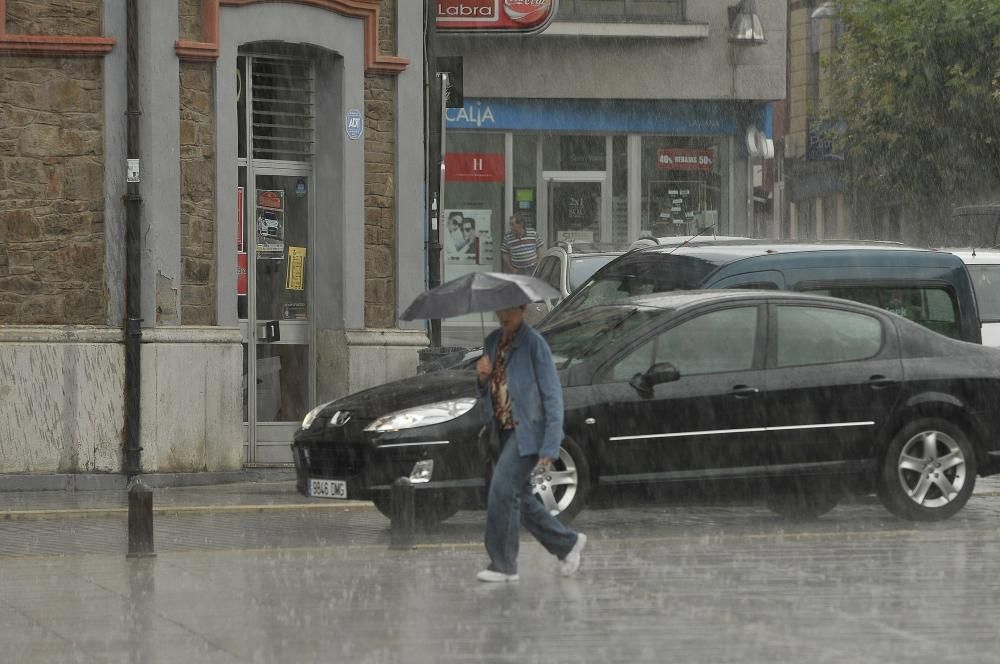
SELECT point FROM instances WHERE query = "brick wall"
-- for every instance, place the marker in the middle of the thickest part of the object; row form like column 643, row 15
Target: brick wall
column 52, row 173
column 380, row 190
column 189, row 19
column 197, row 154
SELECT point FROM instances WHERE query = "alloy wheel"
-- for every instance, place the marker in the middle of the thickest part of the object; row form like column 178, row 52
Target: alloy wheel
column 557, row 487
column 932, row 469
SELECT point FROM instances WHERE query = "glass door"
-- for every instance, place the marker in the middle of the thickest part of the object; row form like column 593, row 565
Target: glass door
column 278, row 357
column 576, row 212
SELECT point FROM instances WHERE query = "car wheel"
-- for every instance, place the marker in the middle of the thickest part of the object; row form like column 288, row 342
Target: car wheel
column 802, row 503
column 929, row 471
column 428, row 510
column 564, row 489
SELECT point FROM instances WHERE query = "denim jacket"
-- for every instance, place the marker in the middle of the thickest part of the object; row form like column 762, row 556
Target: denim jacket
column 535, row 392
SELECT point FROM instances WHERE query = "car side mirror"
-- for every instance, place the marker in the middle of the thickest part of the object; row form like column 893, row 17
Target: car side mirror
column 661, row 372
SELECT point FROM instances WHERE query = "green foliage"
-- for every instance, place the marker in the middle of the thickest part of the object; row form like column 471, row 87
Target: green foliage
column 918, row 84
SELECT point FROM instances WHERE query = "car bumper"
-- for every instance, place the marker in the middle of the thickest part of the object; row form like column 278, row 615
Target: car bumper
column 369, row 464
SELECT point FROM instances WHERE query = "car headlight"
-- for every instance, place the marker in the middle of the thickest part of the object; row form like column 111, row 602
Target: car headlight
column 422, row 416
column 311, row 416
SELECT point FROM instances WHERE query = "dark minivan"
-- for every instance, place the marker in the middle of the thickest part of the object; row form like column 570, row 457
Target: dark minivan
column 932, row 288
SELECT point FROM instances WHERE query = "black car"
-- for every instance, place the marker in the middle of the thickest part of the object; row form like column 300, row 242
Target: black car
column 804, row 397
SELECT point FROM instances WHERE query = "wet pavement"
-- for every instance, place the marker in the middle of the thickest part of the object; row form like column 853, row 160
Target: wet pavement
column 256, row 573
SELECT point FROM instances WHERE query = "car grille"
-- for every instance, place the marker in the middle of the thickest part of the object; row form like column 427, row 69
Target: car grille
column 335, row 460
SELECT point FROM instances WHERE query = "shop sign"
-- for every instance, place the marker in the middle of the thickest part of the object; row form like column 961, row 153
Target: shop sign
column 685, row 159
column 474, row 167
column 640, row 116
column 505, row 16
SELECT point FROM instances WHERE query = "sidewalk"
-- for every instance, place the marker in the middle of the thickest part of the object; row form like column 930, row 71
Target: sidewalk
column 233, row 496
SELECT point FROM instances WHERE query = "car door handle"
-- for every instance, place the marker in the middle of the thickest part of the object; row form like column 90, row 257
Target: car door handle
column 879, row 382
column 744, row 391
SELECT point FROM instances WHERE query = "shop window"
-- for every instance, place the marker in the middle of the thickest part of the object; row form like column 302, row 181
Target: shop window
column 472, row 213
column 574, row 153
column 619, row 191
column 525, row 173
column 683, row 190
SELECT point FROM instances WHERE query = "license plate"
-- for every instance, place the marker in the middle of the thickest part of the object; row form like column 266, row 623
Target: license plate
column 328, row 488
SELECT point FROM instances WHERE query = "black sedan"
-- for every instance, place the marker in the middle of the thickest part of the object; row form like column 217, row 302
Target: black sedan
column 802, row 397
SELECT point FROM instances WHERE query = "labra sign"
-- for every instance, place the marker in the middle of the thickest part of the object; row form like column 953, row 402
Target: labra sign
column 507, row 16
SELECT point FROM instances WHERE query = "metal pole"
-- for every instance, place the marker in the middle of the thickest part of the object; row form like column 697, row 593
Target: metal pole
column 133, row 283
column 435, row 123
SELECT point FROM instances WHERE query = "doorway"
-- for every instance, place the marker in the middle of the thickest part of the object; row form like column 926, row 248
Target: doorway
column 276, row 215
column 576, row 210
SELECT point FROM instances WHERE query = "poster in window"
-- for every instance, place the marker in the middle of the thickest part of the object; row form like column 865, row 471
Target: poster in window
column 468, row 237
column 270, row 223
column 295, row 276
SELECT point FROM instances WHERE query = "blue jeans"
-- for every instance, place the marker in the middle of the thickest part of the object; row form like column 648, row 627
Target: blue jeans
column 511, row 503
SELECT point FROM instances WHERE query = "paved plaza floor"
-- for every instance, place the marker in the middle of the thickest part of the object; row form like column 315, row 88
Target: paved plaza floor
column 289, row 579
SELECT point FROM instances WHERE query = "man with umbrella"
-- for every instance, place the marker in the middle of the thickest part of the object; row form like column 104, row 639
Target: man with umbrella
column 522, row 401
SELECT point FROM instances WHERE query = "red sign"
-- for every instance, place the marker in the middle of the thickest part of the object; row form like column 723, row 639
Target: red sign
column 241, row 273
column 494, row 15
column 685, row 159
column 239, row 218
column 473, row 167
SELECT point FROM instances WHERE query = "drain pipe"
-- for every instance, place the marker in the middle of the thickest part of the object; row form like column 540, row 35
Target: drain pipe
column 133, row 283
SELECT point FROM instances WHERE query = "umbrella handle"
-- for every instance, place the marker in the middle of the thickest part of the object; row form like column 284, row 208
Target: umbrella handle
column 482, row 325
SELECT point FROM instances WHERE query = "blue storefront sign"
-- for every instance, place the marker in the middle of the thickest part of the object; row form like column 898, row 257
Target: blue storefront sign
column 603, row 115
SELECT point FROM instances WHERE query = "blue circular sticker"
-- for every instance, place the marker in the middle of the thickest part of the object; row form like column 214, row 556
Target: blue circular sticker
column 355, row 124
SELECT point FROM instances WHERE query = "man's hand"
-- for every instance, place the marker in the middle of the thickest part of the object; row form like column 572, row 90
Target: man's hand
column 483, row 369
column 545, row 462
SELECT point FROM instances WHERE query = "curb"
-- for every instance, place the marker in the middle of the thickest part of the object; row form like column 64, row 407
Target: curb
column 118, row 481
column 348, row 506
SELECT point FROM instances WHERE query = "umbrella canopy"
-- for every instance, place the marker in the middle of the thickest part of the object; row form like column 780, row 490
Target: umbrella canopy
column 478, row 292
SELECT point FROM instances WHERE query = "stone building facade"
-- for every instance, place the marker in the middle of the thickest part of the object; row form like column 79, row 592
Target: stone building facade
column 209, row 374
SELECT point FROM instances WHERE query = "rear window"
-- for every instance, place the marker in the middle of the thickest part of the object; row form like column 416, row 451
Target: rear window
column 986, row 281
column 934, row 307
column 639, row 275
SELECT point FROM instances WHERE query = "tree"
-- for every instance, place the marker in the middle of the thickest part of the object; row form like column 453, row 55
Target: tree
column 916, row 82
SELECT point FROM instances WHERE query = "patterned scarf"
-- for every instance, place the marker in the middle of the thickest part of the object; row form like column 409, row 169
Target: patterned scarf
column 498, row 387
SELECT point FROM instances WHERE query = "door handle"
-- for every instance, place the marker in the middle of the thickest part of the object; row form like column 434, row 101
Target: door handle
column 879, row 382
column 744, row 391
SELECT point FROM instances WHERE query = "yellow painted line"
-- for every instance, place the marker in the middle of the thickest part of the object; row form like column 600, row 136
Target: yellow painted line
column 7, row 515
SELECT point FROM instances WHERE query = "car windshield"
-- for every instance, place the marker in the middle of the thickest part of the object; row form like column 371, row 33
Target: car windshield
column 593, row 331
column 641, row 274
column 582, row 268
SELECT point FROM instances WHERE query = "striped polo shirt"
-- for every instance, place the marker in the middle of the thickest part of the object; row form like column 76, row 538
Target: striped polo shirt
column 523, row 251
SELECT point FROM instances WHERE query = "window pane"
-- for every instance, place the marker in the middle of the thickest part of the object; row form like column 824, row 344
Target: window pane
column 812, row 335
column 621, row 10
column 683, row 188
column 986, row 280
column 933, row 307
column 718, row 341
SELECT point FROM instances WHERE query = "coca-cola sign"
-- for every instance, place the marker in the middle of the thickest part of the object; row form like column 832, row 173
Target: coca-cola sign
column 506, row 16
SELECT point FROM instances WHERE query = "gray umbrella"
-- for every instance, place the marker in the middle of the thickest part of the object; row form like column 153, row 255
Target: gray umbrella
column 478, row 292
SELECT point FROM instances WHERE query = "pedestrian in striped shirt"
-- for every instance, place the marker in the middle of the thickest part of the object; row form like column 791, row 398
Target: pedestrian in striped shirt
column 520, row 248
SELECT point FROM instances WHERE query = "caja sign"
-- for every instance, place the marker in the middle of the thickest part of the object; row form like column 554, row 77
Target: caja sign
column 506, row 16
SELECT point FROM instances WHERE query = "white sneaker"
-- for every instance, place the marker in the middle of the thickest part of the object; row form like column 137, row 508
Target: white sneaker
column 489, row 576
column 571, row 562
